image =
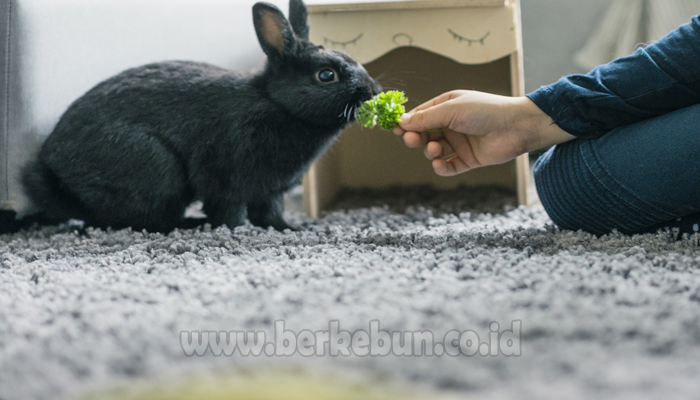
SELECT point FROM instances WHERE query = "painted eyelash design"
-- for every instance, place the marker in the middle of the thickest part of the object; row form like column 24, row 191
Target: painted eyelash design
column 461, row 38
column 342, row 44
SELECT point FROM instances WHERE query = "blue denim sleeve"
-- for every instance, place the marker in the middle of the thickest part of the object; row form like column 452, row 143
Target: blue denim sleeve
column 655, row 80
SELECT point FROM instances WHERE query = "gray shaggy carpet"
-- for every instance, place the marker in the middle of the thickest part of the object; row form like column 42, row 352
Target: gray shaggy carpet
column 614, row 317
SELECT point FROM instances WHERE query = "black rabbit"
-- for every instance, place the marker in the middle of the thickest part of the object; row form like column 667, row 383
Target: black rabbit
column 138, row 148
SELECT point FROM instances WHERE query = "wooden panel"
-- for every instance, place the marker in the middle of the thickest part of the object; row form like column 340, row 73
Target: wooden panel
column 518, row 89
column 376, row 158
column 371, row 5
column 423, row 48
column 322, row 182
column 466, row 35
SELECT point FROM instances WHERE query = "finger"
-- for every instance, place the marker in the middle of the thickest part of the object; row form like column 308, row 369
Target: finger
column 447, row 96
column 445, row 149
column 408, row 122
column 398, row 131
column 449, row 168
column 413, row 139
column 433, row 150
column 419, row 139
column 438, row 149
column 435, row 117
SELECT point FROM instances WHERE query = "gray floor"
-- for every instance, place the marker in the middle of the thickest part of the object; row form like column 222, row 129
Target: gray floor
column 615, row 317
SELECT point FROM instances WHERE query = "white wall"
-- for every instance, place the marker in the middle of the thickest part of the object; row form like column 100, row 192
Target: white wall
column 553, row 31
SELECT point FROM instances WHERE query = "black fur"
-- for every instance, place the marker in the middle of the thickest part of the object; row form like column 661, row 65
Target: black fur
column 138, row 148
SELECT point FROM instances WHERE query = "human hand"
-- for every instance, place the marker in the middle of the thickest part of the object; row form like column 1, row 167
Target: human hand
column 462, row 130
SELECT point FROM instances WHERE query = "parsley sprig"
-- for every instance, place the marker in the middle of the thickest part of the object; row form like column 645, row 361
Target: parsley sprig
column 384, row 109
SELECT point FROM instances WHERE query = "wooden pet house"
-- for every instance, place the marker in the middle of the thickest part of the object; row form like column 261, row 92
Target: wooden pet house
column 425, row 48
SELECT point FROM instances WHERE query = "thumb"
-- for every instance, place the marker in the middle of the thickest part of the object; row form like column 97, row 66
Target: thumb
column 423, row 120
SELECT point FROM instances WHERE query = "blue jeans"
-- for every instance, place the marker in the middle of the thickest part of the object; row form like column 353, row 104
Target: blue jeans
column 635, row 179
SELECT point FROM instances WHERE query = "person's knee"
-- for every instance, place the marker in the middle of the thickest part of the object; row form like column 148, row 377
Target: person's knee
column 567, row 190
column 578, row 195
column 549, row 188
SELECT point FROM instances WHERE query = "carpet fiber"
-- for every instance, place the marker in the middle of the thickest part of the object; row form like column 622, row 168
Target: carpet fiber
column 615, row 317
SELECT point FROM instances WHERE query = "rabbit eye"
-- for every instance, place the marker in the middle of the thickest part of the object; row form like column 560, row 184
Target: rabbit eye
column 326, row 75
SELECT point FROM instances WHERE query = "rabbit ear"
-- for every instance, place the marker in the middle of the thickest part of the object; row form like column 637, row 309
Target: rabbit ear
column 299, row 19
column 274, row 33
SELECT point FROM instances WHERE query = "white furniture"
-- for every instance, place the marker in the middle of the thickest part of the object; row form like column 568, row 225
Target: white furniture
column 423, row 47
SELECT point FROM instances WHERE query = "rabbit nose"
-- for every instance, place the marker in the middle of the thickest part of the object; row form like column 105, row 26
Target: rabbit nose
column 369, row 88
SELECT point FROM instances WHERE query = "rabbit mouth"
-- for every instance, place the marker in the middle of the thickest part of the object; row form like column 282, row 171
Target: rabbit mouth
column 362, row 93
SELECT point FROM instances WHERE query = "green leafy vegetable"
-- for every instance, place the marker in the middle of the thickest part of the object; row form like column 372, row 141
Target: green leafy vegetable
column 384, row 109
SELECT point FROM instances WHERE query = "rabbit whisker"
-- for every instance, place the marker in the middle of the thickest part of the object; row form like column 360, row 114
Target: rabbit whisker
column 353, row 111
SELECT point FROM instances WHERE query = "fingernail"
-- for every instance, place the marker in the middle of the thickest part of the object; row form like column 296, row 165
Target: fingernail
column 406, row 118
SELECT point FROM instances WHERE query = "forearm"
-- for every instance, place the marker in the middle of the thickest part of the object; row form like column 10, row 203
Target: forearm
column 663, row 77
